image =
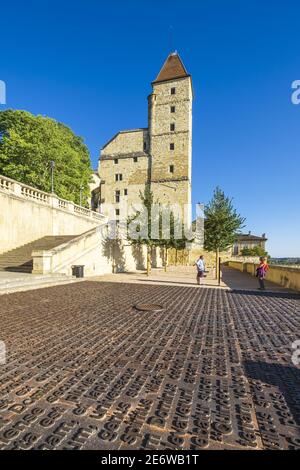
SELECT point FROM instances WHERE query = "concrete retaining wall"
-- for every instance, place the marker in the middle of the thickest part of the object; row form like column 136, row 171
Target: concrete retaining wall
column 96, row 252
column 27, row 214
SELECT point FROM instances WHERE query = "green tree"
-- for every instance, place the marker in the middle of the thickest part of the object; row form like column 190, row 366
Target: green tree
column 143, row 219
column 246, row 252
column 27, row 145
column 221, row 224
column 176, row 240
column 255, row 251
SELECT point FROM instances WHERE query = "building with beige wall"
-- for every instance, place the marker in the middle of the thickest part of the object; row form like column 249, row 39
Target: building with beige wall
column 248, row 241
column 161, row 154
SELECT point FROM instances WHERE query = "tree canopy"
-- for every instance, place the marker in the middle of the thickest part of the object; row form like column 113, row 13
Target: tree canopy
column 29, row 143
column 255, row 251
column 222, row 222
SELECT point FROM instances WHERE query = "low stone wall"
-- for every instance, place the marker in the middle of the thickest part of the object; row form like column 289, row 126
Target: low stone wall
column 96, row 252
column 283, row 275
column 237, row 265
column 27, row 214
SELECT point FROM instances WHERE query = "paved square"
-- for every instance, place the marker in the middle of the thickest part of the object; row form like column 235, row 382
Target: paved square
column 86, row 370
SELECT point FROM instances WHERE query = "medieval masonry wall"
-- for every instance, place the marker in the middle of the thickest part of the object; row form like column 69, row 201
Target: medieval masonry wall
column 161, row 154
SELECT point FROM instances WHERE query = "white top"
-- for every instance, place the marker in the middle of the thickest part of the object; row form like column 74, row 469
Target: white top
column 200, row 264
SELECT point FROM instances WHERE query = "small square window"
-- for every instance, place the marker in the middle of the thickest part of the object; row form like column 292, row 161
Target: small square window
column 117, row 196
column 171, row 168
column 145, row 146
column 117, row 211
column 125, row 192
column 172, row 146
column 116, row 161
column 135, row 159
column 173, row 109
column 172, row 127
column 118, row 177
column 173, row 91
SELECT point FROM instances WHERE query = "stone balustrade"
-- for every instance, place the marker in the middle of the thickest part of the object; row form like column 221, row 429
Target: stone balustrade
column 24, row 191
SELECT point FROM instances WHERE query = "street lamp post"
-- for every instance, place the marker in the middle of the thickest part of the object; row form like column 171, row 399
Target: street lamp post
column 80, row 195
column 52, row 166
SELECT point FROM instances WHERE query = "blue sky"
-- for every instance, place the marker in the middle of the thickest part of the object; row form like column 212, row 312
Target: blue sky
column 89, row 64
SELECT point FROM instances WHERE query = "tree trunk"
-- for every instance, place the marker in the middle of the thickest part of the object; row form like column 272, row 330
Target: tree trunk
column 176, row 257
column 166, row 259
column 148, row 260
column 217, row 264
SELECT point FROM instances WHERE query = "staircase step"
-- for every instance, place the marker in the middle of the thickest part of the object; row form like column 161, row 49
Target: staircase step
column 23, row 285
column 20, row 260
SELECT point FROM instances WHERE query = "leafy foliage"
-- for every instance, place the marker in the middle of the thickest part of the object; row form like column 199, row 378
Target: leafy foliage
column 27, row 145
column 222, row 222
column 255, row 251
column 143, row 216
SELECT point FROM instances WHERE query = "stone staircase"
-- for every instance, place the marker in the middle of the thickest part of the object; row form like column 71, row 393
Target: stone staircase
column 20, row 260
column 17, row 282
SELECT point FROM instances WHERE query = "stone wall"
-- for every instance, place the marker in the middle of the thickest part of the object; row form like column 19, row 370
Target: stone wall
column 126, row 142
column 124, row 155
column 170, row 186
column 27, row 214
column 144, row 154
column 96, row 252
column 285, row 276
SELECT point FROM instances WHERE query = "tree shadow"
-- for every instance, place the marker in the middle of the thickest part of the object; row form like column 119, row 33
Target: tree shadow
column 156, row 253
column 138, row 256
column 113, row 250
column 286, row 379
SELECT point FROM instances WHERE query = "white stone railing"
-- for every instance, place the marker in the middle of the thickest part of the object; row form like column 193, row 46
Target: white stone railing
column 31, row 193
column 81, row 210
column 20, row 190
column 6, row 184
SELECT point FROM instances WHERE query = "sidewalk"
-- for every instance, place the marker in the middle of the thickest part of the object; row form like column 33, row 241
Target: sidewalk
column 186, row 276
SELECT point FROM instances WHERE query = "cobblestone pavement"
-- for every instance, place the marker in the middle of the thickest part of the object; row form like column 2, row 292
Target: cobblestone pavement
column 86, row 370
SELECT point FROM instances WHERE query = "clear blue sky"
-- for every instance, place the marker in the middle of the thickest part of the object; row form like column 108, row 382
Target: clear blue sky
column 90, row 63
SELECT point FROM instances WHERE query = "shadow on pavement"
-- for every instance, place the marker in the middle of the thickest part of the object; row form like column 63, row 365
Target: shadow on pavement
column 286, row 378
column 191, row 284
column 266, row 293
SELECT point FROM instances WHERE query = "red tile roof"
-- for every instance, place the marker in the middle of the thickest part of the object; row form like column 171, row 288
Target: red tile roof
column 172, row 68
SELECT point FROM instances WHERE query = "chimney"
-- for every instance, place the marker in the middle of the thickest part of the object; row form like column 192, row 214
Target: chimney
column 263, row 235
column 249, row 232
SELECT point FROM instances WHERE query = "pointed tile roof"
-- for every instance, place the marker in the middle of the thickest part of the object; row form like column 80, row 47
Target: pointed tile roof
column 172, row 68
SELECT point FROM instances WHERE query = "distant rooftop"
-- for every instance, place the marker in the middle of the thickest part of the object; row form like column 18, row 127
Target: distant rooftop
column 249, row 236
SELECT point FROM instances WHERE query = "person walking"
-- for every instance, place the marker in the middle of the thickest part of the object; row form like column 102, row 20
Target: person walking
column 261, row 272
column 200, row 263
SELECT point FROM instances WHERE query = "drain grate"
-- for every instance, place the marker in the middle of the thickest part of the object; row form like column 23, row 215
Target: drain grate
column 149, row 307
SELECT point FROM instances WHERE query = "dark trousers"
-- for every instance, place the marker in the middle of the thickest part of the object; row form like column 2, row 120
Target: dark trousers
column 261, row 281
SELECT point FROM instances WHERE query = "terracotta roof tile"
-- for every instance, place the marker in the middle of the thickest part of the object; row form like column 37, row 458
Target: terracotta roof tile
column 172, row 68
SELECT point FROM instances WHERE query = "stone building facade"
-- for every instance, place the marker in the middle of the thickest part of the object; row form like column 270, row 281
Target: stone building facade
column 248, row 241
column 160, row 154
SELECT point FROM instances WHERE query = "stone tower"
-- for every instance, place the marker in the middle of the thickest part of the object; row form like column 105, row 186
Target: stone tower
column 170, row 133
column 160, row 154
